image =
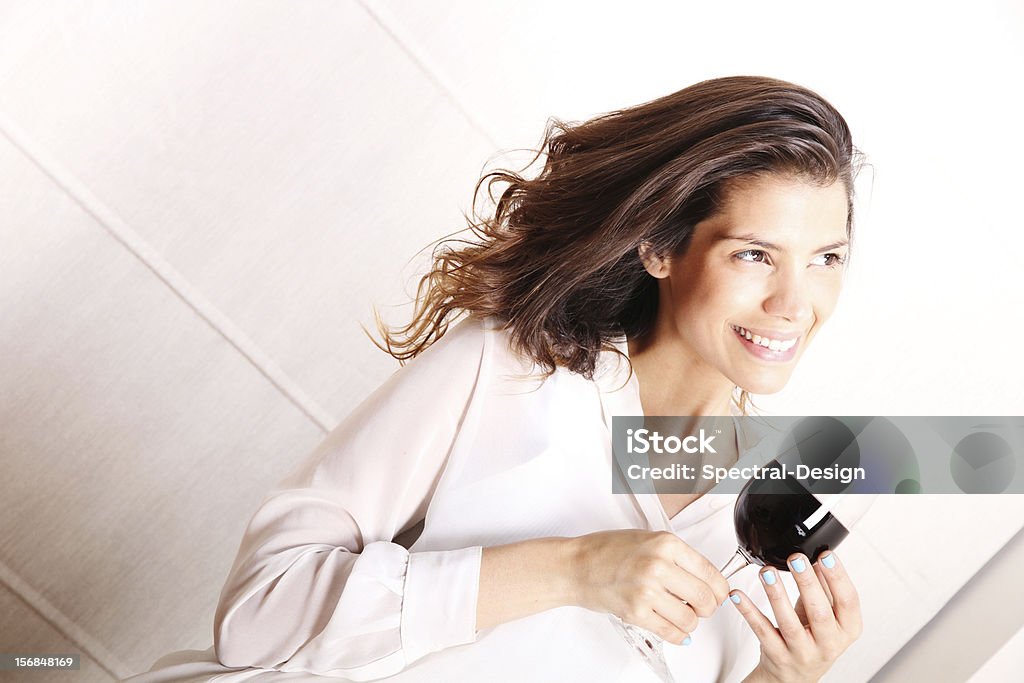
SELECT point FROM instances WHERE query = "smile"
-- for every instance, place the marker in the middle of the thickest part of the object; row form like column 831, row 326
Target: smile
column 767, row 348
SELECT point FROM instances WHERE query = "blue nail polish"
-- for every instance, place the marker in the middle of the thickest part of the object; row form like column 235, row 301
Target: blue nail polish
column 798, row 565
column 725, row 602
column 735, row 598
column 769, row 577
column 829, row 561
column 688, row 640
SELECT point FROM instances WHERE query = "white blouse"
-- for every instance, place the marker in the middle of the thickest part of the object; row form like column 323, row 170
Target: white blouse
column 470, row 440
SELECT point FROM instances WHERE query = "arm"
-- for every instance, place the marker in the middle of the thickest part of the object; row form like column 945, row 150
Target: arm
column 640, row 576
column 317, row 584
column 524, row 578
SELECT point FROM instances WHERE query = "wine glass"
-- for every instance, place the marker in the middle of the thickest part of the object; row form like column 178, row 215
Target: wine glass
column 774, row 518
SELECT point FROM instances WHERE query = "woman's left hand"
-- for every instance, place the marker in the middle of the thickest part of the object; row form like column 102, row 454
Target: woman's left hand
column 811, row 637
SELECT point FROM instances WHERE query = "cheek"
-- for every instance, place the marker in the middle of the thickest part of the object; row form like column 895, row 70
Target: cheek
column 826, row 298
column 717, row 293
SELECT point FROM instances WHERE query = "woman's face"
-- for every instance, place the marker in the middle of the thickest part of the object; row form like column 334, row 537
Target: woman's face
column 769, row 266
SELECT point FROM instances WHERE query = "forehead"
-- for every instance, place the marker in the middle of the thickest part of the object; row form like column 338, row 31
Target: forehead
column 778, row 208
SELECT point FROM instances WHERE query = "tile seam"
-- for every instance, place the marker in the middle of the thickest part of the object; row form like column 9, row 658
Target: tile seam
column 117, row 228
column 67, row 628
column 404, row 41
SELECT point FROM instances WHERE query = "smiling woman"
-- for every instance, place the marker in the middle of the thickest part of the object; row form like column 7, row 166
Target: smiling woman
column 668, row 257
column 755, row 160
column 735, row 316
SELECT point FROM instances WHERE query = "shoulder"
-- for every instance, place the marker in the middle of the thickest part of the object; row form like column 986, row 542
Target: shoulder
column 486, row 344
column 434, row 386
column 469, row 349
column 486, row 338
column 467, row 341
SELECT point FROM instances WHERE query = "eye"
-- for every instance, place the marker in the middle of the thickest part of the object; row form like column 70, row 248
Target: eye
column 829, row 260
column 753, row 256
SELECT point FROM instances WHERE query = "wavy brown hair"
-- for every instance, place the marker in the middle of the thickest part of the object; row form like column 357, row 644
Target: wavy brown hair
column 557, row 261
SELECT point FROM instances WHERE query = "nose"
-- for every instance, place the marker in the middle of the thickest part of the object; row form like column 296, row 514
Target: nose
column 789, row 297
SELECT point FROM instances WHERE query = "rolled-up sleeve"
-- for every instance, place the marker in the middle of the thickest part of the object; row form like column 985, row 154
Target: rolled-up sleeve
column 318, row 585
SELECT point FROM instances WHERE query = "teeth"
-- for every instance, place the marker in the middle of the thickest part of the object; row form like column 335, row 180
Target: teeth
column 773, row 344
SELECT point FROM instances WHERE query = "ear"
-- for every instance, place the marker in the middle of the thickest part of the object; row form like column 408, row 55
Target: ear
column 654, row 263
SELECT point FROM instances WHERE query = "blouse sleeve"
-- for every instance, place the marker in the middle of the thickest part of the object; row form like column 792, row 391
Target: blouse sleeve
column 318, row 585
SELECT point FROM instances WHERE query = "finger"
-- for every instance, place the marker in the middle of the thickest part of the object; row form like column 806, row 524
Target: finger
column 771, row 641
column 846, row 602
column 800, row 613
column 666, row 630
column 684, row 586
column 701, row 568
column 793, row 632
column 820, row 617
column 677, row 612
column 820, row 571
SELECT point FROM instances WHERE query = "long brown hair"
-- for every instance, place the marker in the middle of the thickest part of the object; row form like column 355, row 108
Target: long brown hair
column 557, row 262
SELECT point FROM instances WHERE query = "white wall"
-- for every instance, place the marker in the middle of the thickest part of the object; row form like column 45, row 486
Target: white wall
column 201, row 201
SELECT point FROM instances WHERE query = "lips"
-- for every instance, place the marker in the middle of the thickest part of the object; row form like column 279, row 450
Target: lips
column 762, row 337
column 785, row 344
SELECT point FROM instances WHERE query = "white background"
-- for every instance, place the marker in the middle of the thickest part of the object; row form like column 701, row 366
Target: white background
column 201, row 202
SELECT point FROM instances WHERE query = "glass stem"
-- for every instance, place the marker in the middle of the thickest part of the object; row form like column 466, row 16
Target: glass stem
column 738, row 562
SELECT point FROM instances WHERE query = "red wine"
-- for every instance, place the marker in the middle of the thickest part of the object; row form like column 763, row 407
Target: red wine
column 775, row 518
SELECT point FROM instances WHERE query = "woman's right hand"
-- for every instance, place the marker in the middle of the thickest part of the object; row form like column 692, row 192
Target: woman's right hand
column 651, row 579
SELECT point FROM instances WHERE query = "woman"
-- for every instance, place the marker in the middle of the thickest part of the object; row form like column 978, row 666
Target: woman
column 459, row 524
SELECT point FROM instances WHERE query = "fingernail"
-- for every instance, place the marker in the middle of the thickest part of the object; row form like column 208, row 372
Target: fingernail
column 725, row 602
column 769, row 577
column 829, row 561
column 688, row 640
column 735, row 599
column 798, row 565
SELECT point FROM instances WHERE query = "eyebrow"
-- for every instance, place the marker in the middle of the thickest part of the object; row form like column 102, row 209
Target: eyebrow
column 752, row 239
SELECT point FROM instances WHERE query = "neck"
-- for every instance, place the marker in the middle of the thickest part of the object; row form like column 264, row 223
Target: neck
column 673, row 383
